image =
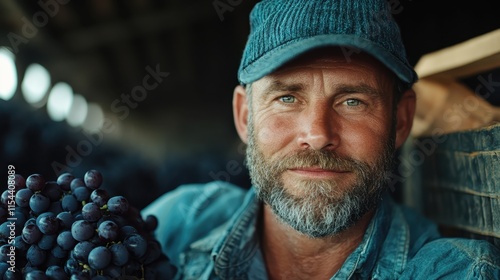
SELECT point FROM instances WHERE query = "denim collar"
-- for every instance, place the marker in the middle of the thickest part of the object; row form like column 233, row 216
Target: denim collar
column 384, row 246
column 233, row 253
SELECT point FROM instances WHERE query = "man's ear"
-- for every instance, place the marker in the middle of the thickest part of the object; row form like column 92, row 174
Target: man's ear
column 240, row 112
column 404, row 115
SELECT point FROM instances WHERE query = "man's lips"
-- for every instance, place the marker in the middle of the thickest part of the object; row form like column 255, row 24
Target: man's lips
column 317, row 172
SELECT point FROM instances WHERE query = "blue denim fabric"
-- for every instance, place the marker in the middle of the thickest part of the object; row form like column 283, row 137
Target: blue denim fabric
column 209, row 232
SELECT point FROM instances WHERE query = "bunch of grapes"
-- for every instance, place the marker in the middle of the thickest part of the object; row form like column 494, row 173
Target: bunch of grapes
column 72, row 229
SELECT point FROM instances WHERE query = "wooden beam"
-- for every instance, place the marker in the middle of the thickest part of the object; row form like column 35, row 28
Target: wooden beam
column 473, row 56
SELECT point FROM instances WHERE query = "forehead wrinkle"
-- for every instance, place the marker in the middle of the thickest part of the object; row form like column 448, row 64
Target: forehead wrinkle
column 357, row 88
column 319, row 81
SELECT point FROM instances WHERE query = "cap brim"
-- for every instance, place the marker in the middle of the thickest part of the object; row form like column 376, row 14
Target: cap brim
column 277, row 57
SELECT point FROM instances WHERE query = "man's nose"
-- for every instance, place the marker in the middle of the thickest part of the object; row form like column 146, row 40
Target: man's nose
column 319, row 128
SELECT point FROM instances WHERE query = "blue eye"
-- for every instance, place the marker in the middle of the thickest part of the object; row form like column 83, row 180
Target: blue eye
column 287, row 99
column 353, row 102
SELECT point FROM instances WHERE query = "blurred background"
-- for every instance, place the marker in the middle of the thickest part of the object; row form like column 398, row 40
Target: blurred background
column 141, row 90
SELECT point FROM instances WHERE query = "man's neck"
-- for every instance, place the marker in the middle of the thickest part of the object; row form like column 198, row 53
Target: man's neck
column 291, row 255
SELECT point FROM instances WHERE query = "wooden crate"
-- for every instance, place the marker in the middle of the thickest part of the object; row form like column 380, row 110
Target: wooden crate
column 453, row 155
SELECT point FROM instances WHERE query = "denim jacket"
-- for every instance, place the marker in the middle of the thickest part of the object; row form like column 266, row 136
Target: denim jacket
column 209, row 232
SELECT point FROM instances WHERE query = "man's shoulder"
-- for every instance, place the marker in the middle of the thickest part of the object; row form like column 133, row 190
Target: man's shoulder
column 429, row 254
column 188, row 203
column 460, row 257
column 190, row 212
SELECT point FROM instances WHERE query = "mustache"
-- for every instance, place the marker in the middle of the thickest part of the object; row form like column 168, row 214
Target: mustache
column 329, row 160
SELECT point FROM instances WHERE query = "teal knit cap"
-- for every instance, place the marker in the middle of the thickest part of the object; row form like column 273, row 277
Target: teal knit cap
column 281, row 30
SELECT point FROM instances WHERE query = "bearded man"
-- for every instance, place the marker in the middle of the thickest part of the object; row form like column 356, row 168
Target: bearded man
column 324, row 102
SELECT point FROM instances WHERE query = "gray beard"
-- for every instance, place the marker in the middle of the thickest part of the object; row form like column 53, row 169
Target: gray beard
column 323, row 209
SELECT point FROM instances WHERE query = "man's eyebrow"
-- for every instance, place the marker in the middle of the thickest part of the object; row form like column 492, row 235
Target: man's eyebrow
column 359, row 88
column 277, row 86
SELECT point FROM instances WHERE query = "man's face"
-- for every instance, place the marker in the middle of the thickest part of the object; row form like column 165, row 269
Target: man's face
column 321, row 141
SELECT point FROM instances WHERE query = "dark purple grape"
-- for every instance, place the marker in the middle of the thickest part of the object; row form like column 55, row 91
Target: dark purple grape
column 55, row 207
column 48, row 224
column 151, row 223
column 3, row 267
column 53, row 191
column 5, row 229
column 35, row 255
column 133, row 268
column 99, row 197
column 28, row 269
column 69, row 203
column 119, row 220
column 20, row 218
column 20, row 244
column 31, row 234
column 152, row 253
column 82, row 193
column 103, row 219
column 19, row 182
column 66, row 219
column 118, row 205
column 163, row 268
column 149, row 273
column 4, row 199
column 30, row 221
column 99, row 257
column 77, row 182
column 108, row 231
column 119, row 254
column 52, row 260
column 36, row 275
column 39, row 203
column 127, row 230
column 82, row 230
column 35, row 182
column 91, row 212
column 64, row 180
column 44, row 214
column 14, row 274
column 114, row 272
column 47, row 241
column 78, row 216
column 82, row 250
column 97, row 240
column 23, row 197
column 93, row 179
column 56, row 273
column 134, row 218
column 136, row 245
column 72, row 266
column 5, row 252
column 23, row 211
column 59, row 252
column 66, row 241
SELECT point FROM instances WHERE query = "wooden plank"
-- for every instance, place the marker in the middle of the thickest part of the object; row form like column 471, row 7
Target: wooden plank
column 461, row 178
column 450, row 106
column 455, row 172
column 473, row 56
